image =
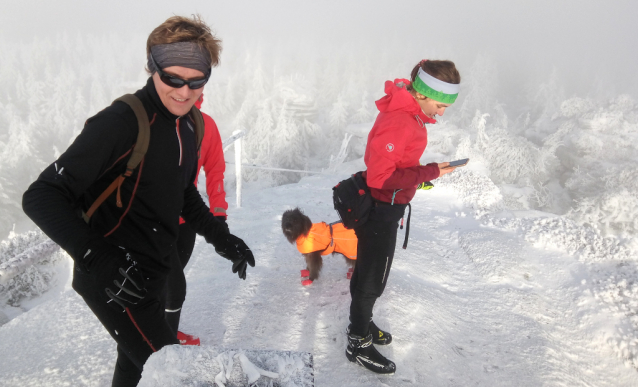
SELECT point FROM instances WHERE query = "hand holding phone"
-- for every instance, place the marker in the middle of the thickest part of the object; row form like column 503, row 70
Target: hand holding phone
column 457, row 163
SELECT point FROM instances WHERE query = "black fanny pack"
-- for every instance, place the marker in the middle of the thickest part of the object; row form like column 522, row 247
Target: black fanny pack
column 352, row 200
column 355, row 205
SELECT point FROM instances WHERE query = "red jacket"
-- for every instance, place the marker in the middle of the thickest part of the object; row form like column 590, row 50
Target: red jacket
column 395, row 145
column 212, row 159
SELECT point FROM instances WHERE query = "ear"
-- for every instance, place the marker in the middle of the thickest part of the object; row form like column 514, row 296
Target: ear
column 417, row 95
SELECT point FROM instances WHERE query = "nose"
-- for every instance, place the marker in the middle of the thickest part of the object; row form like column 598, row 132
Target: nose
column 441, row 111
column 183, row 92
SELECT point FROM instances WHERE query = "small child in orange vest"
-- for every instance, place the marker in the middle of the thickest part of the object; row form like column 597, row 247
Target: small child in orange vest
column 316, row 239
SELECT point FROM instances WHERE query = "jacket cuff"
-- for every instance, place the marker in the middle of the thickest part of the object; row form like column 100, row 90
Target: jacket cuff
column 218, row 211
column 215, row 230
column 434, row 170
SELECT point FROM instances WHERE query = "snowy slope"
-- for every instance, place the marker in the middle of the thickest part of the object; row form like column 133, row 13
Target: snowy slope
column 478, row 298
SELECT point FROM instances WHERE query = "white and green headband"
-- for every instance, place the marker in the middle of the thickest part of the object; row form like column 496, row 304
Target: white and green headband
column 435, row 88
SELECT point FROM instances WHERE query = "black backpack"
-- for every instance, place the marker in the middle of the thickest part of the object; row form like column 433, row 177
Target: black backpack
column 139, row 148
column 352, row 200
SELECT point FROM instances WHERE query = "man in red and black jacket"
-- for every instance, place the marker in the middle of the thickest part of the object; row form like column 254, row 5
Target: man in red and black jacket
column 124, row 255
column 211, row 158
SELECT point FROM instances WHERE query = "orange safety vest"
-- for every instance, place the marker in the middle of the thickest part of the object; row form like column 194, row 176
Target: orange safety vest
column 329, row 238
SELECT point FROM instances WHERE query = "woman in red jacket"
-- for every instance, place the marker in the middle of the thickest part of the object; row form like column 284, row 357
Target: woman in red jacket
column 212, row 159
column 395, row 144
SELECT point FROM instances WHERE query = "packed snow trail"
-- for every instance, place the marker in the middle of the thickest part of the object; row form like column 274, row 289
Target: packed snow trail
column 467, row 305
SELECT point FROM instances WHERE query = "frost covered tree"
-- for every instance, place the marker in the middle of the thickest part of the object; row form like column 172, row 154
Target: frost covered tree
column 338, row 116
column 45, row 88
column 20, row 166
column 257, row 145
column 364, row 113
column 546, row 97
column 295, row 104
column 283, row 131
column 291, row 141
column 479, row 90
column 97, row 97
column 515, row 161
column 246, row 115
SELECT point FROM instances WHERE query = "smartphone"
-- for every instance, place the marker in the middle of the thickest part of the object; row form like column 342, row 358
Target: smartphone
column 458, row 163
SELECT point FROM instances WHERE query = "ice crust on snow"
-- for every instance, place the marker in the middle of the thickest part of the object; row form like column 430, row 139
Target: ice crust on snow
column 614, row 264
column 484, row 298
column 198, row 366
column 497, row 248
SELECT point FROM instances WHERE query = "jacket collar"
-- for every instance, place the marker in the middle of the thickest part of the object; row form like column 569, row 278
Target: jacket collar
column 398, row 98
column 151, row 92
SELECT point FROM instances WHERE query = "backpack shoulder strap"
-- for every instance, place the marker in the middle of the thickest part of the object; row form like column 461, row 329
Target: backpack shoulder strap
column 199, row 126
column 143, row 134
column 139, row 150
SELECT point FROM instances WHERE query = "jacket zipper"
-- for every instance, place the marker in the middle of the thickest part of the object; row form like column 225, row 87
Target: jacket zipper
column 395, row 194
column 179, row 139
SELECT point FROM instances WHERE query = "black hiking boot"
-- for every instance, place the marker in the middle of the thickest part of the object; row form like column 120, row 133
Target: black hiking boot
column 379, row 337
column 362, row 351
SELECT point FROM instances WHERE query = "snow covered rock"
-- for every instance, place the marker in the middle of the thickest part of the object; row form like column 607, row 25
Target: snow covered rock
column 176, row 365
column 474, row 189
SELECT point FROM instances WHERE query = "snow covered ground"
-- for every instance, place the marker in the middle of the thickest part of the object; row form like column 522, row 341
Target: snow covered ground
column 481, row 297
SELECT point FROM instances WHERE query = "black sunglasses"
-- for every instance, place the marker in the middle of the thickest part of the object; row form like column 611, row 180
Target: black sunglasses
column 173, row 81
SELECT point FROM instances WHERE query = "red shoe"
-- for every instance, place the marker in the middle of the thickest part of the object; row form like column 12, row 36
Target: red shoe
column 305, row 281
column 185, row 339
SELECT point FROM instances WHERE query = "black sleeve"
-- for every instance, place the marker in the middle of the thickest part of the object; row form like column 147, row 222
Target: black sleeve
column 50, row 200
column 198, row 215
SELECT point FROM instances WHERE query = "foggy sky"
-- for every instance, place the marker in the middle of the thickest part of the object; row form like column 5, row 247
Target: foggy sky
column 585, row 39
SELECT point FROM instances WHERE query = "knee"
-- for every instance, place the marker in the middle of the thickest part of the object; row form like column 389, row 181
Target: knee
column 175, row 302
column 176, row 293
column 362, row 294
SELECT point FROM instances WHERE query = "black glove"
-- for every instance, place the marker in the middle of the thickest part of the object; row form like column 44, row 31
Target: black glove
column 115, row 270
column 233, row 249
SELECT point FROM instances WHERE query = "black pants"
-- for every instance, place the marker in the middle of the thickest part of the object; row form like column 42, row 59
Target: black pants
column 140, row 330
column 375, row 252
column 176, row 285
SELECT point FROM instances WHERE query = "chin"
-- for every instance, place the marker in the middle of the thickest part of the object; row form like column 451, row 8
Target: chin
column 180, row 110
